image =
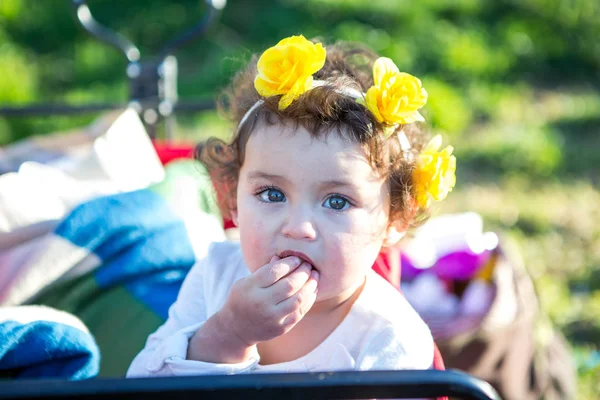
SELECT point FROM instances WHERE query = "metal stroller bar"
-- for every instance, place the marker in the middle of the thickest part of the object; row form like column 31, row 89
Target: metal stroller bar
column 152, row 84
column 68, row 109
column 104, row 34
column 129, row 50
column 334, row 385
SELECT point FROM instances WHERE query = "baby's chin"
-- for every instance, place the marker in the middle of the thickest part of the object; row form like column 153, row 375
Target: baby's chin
column 331, row 295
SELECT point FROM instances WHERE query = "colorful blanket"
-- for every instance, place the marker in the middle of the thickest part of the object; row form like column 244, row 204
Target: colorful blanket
column 117, row 262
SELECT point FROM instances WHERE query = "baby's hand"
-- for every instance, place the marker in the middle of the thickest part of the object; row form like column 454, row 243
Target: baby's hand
column 272, row 300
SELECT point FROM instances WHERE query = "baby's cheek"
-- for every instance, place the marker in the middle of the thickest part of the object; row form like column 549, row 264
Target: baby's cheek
column 359, row 251
column 253, row 245
column 363, row 241
column 349, row 254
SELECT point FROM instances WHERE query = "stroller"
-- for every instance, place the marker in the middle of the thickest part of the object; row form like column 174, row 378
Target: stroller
column 153, row 93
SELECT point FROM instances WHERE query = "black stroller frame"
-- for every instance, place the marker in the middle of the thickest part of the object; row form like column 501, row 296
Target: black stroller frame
column 334, row 385
column 153, row 94
column 152, row 83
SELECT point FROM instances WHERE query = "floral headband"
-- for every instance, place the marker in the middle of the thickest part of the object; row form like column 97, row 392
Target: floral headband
column 287, row 69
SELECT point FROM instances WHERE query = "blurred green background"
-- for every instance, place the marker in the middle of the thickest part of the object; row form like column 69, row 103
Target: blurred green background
column 513, row 85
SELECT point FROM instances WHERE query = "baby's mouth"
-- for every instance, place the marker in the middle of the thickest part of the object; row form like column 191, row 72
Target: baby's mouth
column 299, row 254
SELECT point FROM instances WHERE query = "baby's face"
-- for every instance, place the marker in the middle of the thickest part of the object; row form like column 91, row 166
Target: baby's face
column 318, row 198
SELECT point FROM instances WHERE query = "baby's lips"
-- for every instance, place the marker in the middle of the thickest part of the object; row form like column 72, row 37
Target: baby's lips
column 300, row 255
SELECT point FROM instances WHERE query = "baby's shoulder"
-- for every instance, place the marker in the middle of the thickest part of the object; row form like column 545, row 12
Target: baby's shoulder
column 384, row 302
column 219, row 270
column 224, row 263
column 224, row 249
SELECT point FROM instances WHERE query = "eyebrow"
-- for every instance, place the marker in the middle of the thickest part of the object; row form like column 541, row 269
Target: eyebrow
column 336, row 183
column 255, row 175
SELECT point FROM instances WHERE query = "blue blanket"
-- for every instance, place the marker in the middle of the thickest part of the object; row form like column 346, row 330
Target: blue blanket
column 46, row 349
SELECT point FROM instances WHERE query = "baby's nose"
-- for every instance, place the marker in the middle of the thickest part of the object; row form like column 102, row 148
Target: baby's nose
column 299, row 225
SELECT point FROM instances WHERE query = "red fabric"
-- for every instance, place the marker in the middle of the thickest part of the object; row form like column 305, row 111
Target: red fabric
column 228, row 224
column 438, row 363
column 168, row 152
column 387, row 264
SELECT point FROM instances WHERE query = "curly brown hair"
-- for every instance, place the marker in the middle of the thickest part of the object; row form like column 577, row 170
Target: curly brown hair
column 321, row 111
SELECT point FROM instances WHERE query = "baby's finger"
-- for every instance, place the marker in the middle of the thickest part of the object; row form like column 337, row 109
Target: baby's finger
column 300, row 303
column 275, row 270
column 290, row 284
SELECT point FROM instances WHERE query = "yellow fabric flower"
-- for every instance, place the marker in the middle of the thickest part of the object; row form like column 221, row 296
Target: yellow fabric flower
column 287, row 68
column 435, row 175
column 396, row 97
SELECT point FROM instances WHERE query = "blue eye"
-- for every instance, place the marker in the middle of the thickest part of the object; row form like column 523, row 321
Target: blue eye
column 337, row 203
column 272, row 196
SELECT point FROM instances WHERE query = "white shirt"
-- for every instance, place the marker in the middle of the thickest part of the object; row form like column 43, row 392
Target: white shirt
column 380, row 332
